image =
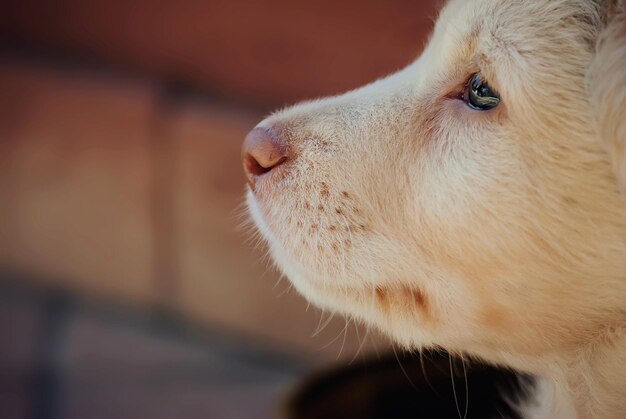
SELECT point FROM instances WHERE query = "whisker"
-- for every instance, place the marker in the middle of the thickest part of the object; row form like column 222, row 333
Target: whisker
column 331, row 342
column 320, row 326
column 278, row 281
column 361, row 342
column 345, row 334
column 393, row 347
column 456, row 400
column 285, row 291
column 421, row 355
column 466, row 387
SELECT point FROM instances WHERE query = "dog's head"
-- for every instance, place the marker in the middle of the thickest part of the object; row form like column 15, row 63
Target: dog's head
column 470, row 200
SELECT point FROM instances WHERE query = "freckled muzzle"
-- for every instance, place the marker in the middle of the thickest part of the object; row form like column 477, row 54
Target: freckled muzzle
column 319, row 175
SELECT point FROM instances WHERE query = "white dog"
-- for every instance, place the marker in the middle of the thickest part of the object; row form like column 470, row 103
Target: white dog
column 472, row 200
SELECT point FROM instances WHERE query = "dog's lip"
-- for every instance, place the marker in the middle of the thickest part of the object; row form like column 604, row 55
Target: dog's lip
column 258, row 210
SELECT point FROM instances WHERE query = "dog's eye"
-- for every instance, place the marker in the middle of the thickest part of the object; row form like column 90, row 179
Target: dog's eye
column 478, row 95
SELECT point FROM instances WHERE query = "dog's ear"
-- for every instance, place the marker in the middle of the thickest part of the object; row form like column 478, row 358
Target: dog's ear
column 607, row 85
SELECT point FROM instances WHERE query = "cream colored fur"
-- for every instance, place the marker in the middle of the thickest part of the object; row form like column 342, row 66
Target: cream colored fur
column 498, row 234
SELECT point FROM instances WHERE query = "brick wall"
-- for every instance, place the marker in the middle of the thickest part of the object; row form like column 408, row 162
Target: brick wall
column 266, row 52
column 118, row 184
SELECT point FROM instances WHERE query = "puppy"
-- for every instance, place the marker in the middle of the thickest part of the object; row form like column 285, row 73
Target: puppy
column 471, row 201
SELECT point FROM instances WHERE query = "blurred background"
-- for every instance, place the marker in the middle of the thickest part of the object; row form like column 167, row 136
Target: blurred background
column 126, row 288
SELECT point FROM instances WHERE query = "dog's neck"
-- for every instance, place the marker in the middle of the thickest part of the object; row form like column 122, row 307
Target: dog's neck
column 601, row 376
column 592, row 380
column 587, row 383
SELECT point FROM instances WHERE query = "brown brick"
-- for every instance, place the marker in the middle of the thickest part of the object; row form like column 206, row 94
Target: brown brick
column 75, row 180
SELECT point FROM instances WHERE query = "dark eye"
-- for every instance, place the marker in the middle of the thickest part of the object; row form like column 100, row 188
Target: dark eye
column 479, row 96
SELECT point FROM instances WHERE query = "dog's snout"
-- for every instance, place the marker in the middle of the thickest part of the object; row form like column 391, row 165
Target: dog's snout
column 263, row 150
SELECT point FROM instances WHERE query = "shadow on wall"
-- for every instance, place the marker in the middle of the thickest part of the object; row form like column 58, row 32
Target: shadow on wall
column 67, row 358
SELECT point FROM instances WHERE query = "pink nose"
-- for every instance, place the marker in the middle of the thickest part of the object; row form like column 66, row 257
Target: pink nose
column 262, row 151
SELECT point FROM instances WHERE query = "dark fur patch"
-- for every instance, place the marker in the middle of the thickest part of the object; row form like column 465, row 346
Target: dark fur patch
column 407, row 387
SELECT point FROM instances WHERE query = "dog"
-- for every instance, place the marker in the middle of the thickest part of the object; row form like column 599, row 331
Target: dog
column 474, row 201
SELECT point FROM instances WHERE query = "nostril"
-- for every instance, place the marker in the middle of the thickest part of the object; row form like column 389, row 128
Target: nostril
column 262, row 151
column 255, row 168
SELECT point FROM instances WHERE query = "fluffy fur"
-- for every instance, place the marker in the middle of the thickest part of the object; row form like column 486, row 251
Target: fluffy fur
column 498, row 234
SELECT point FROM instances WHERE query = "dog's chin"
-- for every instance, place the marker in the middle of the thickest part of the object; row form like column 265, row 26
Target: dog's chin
column 305, row 281
column 397, row 310
column 287, row 258
column 284, row 261
column 278, row 252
